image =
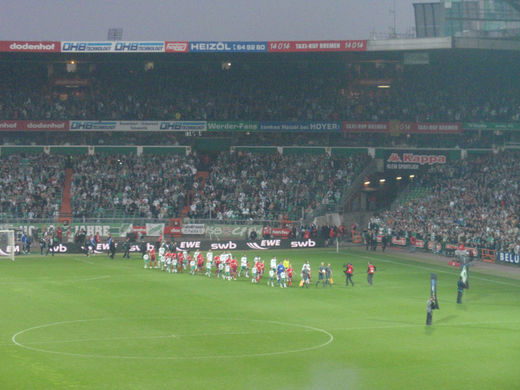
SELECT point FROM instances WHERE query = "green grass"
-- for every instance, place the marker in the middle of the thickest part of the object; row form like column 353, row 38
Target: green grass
column 96, row 323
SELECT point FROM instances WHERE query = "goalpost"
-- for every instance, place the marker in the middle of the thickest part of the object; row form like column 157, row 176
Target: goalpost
column 7, row 245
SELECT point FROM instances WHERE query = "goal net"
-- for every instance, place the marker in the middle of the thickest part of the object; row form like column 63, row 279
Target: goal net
column 7, row 246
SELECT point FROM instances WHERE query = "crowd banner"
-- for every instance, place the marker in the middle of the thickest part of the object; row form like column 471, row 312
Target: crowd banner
column 402, row 127
column 401, row 241
column 228, row 46
column 216, row 232
column 314, row 126
column 434, row 246
column 154, row 229
column 34, row 125
column 222, row 231
column 30, row 46
column 112, row 47
column 280, row 232
column 159, row 126
column 232, row 126
column 511, row 258
column 189, row 229
column 317, row 46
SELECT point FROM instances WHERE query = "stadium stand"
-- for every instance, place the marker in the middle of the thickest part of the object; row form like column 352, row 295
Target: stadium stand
column 474, row 201
column 128, row 185
column 31, row 186
column 260, row 91
column 271, row 186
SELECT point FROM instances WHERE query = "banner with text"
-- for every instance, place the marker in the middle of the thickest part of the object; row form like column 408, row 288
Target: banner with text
column 232, row 126
column 34, row 125
column 162, row 126
column 197, row 229
column 401, row 127
column 414, row 159
column 510, row 258
column 176, row 47
column 492, row 126
column 227, row 47
column 30, row 46
column 219, row 232
column 316, row 46
column 112, row 47
column 300, row 126
column 154, row 229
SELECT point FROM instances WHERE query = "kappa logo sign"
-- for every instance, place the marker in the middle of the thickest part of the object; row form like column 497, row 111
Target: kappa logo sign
column 265, row 244
column 422, row 159
column 303, row 244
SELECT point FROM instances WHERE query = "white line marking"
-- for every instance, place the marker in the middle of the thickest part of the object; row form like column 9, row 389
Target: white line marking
column 446, row 325
column 51, row 280
column 438, row 271
column 306, row 327
column 162, row 336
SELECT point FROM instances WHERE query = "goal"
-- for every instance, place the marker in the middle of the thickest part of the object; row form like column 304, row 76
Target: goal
column 7, row 246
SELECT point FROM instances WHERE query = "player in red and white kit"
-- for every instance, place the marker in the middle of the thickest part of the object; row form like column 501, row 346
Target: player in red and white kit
column 153, row 259
column 290, row 272
column 180, row 257
column 217, row 264
column 200, row 263
column 234, row 268
column 260, row 267
column 174, row 262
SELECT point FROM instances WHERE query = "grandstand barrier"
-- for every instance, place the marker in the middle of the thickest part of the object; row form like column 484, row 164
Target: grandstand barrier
column 204, row 245
column 489, row 255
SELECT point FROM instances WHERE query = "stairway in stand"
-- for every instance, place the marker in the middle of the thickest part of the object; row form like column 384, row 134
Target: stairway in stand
column 66, row 208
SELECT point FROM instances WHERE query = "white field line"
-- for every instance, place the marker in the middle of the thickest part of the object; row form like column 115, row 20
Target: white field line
column 304, row 327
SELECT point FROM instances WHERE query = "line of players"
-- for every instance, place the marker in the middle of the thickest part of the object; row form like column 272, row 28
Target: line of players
column 226, row 267
column 223, row 266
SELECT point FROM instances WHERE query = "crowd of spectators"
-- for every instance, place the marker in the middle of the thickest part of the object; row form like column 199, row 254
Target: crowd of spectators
column 263, row 91
column 474, row 201
column 127, row 185
column 271, row 186
column 31, row 186
column 240, row 186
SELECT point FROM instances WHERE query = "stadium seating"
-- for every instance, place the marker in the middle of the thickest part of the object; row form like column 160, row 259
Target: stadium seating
column 261, row 92
column 31, row 186
column 474, row 201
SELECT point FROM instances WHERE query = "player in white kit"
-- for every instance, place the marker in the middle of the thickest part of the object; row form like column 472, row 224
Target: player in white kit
column 209, row 263
column 243, row 266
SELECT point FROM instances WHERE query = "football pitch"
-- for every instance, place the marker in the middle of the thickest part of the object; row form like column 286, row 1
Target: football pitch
column 93, row 323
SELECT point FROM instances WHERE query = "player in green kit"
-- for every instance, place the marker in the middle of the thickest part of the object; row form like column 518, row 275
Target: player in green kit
column 146, row 259
column 272, row 275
